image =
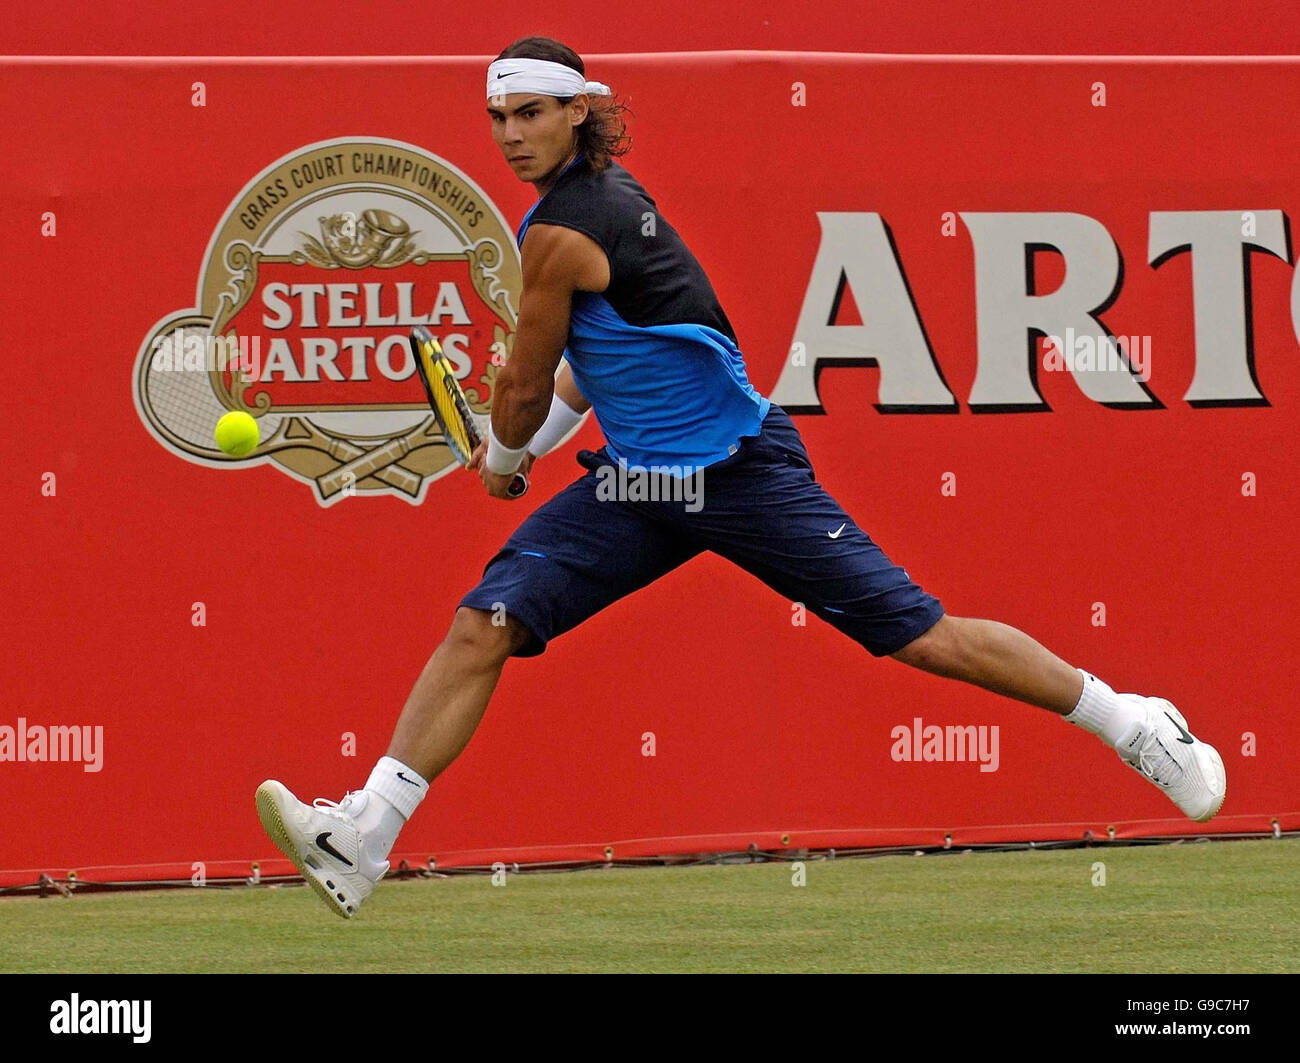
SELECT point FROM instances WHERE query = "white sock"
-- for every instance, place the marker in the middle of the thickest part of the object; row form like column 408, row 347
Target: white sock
column 393, row 792
column 1104, row 713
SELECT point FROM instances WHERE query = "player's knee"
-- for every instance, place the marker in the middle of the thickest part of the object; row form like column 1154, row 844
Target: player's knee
column 938, row 650
column 480, row 636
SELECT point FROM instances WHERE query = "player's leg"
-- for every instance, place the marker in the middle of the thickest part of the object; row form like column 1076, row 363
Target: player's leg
column 572, row 557
column 765, row 511
column 1148, row 733
column 997, row 657
column 342, row 849
column 449, row 698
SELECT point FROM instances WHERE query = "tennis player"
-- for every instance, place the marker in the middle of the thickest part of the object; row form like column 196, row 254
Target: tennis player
column 610, row 288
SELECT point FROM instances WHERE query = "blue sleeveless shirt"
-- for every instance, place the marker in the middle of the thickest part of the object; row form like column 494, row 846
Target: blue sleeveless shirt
column 654, row 353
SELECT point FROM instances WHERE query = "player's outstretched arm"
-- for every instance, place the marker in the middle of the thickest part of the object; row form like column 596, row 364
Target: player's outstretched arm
column 567, row 388
column 567, row 408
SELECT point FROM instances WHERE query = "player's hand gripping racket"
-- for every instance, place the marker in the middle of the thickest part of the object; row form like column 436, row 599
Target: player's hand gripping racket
column 452, row 412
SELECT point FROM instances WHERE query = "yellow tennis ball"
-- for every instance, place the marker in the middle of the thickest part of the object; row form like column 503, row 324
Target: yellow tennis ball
column 237, row 434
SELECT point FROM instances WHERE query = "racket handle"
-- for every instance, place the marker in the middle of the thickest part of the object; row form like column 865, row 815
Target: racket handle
column 518, row 485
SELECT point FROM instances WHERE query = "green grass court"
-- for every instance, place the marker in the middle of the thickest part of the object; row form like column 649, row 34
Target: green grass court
column 1191, row 907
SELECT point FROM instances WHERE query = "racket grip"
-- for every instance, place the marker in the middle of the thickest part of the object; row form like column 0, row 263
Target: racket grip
column 518, row 485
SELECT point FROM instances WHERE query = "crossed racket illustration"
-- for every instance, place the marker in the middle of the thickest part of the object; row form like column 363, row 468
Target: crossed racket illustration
column 183, row 407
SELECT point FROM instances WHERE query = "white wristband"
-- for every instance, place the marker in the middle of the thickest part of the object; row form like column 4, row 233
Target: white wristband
column 558, row 424
column 501, row 459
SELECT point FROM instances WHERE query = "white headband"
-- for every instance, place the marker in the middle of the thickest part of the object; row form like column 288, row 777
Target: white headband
column 539, row 75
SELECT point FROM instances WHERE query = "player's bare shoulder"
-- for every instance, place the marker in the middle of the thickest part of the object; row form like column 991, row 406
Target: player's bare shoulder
column 558, row 254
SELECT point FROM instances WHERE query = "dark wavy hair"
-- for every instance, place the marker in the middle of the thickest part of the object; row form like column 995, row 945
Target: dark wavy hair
column 603, row 134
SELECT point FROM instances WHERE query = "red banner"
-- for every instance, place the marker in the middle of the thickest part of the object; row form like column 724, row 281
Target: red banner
column 1037, row 320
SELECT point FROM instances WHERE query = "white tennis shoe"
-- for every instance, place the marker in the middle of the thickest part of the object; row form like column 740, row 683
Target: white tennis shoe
column 324, row 844
column 1188, row 770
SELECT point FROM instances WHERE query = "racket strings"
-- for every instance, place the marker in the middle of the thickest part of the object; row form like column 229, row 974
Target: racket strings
column 461, row 429
column 450, row 406
column 183, row 402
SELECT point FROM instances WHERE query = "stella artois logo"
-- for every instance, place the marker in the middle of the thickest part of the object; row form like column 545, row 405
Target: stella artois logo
column 311, row 284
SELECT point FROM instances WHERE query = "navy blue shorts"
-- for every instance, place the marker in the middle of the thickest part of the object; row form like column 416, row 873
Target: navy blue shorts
column 761, row 508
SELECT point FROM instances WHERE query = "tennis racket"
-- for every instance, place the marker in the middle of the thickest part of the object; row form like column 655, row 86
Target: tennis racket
column 452, row 411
